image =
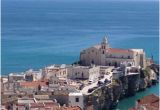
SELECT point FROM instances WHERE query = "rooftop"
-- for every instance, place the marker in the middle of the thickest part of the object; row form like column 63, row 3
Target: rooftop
column 69, row 108
column 34, row 83
column 75, row 94
column 116, row 50
column 150, row 102
column 150, row 99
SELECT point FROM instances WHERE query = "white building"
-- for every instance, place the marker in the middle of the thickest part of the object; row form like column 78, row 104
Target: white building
column 132, row 70
column 76, row 99
column 83, row 72
column 58, row 71
column 31, row 75
column 16, row 77
column 105, row 70
column 117, row 73
column 104, row 55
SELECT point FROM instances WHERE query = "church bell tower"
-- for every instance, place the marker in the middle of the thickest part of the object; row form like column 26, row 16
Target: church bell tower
column 104, row 43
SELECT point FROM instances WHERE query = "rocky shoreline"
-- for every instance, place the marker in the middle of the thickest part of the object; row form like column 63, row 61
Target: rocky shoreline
column 107, row 97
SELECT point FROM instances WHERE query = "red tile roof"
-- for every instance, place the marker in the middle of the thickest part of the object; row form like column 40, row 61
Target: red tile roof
column 36, row 105
column 115, row 50
column 150, row 99
column 69, row 108
column 150, row 102
column 51, row 104
column 34, row 83
column 19, row 104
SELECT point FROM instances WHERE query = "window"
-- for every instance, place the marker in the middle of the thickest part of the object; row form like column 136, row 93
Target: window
column 77, row 99
column 92, row 61
column 103, row 52
column 128, row 57
column 82, row 74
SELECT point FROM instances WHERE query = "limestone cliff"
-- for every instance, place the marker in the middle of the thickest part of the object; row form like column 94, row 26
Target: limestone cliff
column 107, row 97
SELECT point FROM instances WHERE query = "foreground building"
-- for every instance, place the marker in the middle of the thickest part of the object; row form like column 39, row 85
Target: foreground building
column 104, row 55
column 150, row 102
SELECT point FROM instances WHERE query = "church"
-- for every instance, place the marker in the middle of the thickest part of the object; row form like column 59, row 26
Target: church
column 105, row 55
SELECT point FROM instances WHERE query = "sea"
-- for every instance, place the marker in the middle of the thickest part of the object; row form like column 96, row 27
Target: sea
column 38, row 33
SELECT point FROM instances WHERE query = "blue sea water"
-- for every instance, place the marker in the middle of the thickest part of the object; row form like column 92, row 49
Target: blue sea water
column 37, row 33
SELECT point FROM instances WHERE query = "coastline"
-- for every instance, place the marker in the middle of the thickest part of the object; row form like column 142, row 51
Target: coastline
column 121, row 104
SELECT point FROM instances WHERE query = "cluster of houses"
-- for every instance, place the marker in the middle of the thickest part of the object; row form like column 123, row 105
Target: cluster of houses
column 63, row 87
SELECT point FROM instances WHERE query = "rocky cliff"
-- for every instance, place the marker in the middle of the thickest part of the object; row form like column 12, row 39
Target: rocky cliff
column 107, row 97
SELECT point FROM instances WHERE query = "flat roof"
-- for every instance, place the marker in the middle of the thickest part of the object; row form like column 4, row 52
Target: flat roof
column 26, row 100
column 75, row 94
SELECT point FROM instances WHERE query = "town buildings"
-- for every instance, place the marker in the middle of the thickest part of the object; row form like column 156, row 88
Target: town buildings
column 57, row 71
column 105, row 55
column 76, row 99
column 32, row 75
column 65, row 87
column 13, row 77
column 84, row 72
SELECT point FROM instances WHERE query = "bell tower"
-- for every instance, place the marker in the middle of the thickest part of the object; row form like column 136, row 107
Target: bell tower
column 104, row 43
column 104, row 50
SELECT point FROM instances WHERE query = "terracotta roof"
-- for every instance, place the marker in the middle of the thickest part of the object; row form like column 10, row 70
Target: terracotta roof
column 20, row 104
column 69, row 108
column 34, row 83
column 115, row 50
column 150, row 99
column 51, row 104
column 36, row 105
column 150, row 102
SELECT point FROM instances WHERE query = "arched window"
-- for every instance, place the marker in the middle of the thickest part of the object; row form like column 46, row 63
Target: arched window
column 103, row 52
